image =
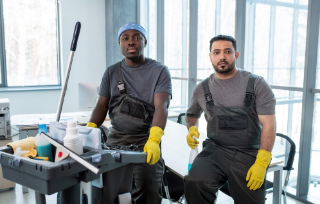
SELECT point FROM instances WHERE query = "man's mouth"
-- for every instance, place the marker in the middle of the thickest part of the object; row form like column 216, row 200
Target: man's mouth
column 222, row 64
column 131, row 49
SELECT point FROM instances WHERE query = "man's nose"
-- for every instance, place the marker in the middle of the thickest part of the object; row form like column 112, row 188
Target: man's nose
column 222, row 56
column 131, row 41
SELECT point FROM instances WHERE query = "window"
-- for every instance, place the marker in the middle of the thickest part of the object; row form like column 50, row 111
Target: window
column 176, row 48
column 276, row 55
column 30, row 38
column 152, row 18
column 214, row 18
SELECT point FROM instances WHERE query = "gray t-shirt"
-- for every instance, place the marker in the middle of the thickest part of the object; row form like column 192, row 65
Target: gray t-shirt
column 141, row 82
column 231, row 92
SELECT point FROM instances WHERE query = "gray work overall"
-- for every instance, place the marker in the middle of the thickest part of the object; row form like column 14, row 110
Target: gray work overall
column 234, row 140
column 131, row 121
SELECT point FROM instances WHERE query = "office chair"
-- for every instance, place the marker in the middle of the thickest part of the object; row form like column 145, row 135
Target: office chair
column 173, row 186
column 287, row 168
column 181, row 119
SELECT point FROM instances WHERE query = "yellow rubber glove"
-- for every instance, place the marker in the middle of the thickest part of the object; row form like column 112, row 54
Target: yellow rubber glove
column 152, row 147
column 257, row 171
column 193, row 131
column 91, row 124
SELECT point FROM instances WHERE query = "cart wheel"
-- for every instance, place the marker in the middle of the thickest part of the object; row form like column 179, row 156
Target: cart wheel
column 11, row 188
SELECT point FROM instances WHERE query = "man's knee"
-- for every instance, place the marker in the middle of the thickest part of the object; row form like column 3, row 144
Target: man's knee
column 191, row 181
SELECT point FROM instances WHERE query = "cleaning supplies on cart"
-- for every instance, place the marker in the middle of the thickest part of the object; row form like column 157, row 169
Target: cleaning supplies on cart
column 193, row 155
column 44, row 147
column 73, row 140
column 27, row 144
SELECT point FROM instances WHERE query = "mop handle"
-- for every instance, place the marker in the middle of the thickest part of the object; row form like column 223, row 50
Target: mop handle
column 72, row 50
column 75, row 36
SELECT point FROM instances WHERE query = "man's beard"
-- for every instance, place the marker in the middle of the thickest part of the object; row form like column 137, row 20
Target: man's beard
column 224, row 71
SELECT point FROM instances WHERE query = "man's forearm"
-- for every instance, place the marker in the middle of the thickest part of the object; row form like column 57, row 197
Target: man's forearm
column 160, row 117
column 268, row 134
column 98, row 116
column 161, row 105
column 191, row 121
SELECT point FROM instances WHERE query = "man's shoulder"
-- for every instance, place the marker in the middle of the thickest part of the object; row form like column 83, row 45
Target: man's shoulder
column 113, row 66
column 246, row 74
column 155, row 64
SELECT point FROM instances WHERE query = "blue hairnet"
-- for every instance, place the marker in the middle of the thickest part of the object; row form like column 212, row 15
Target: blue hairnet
column 132, row 26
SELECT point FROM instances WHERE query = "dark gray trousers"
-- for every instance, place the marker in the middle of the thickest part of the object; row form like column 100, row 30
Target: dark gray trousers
column 147, row 183
column 216, row 165
column 143, row 180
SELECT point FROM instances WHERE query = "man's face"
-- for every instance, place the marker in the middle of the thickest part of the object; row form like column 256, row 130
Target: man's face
column 132, row 44
column 223, row 56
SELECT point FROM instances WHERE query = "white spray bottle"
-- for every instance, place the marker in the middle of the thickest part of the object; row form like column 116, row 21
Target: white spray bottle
column 193, row 154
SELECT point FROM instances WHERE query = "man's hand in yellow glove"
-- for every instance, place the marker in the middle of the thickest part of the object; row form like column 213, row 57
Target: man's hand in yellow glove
column 192, row 132
column 91, row 124
column 257, row 171
column 152, row 147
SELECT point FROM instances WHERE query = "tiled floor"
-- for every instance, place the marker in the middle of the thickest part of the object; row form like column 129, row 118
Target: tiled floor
column 224, row 199
column 16, row 197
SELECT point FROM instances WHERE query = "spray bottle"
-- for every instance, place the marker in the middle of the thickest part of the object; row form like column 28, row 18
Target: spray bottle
column 44, row 147
column 193, row 154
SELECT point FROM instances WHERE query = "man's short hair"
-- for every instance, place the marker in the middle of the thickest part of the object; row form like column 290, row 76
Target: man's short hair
column 226, row 38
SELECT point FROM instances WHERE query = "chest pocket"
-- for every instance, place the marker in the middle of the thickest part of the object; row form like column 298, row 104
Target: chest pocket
column 131, row 116
column 133, row 109
column 238, row 122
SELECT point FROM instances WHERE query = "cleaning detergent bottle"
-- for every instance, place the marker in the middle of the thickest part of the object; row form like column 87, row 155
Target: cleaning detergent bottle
column 73, row 140
column 193, row 155
column 44, row 147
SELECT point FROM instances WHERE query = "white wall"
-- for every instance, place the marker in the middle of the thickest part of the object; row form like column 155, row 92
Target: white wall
column 89, row 60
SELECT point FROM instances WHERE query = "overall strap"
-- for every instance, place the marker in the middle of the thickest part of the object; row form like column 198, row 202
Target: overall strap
column 250, row 90
column 119, row 78
column 207, row 95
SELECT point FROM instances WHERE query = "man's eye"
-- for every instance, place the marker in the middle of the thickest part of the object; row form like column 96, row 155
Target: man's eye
column 215, row 53
column 229, row 52
column 124, row 39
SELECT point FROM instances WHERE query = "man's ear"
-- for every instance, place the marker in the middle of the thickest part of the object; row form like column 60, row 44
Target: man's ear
column 237, row 54
column 210, row 57
column 145, row 42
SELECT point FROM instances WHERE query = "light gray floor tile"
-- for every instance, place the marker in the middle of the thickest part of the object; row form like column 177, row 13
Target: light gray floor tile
column 16, row 197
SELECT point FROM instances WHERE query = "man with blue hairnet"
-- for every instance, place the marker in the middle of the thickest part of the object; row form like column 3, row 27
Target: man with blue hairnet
column 136, row 91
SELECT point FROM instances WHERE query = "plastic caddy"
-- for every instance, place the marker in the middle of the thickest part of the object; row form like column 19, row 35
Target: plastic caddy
column 48, row 177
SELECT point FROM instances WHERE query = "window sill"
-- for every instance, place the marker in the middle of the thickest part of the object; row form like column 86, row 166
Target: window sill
column 30, row 88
